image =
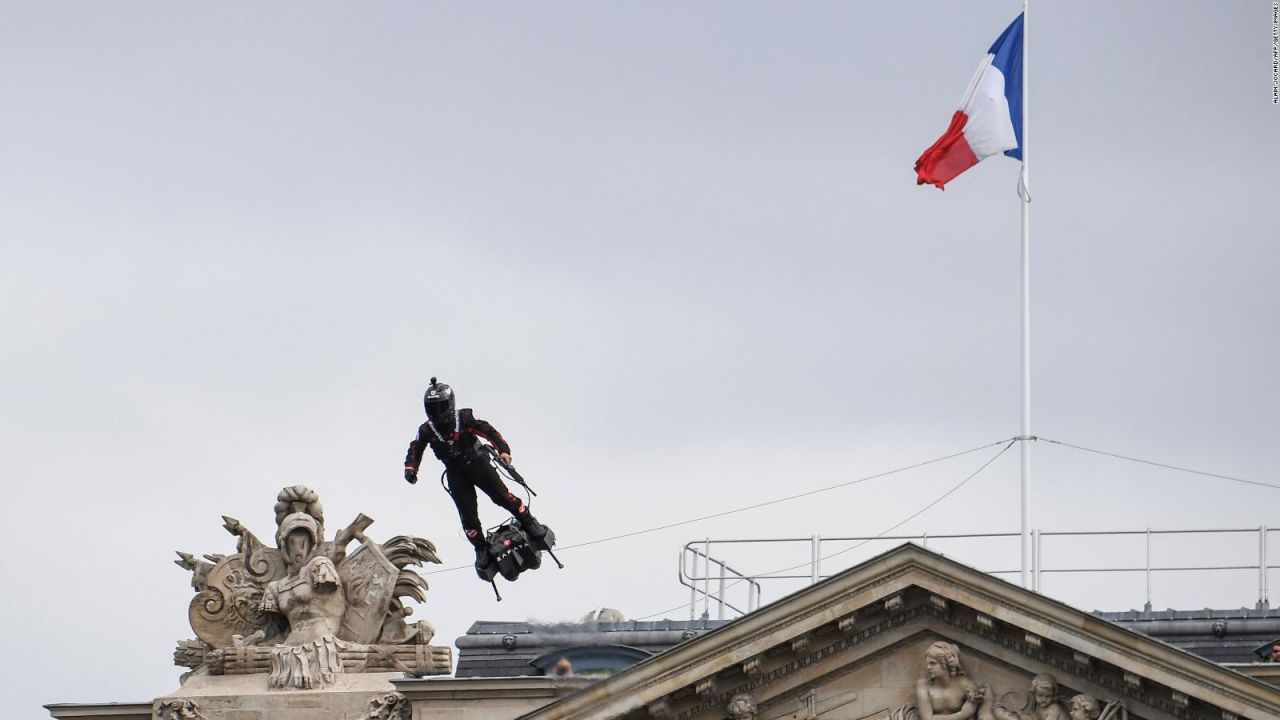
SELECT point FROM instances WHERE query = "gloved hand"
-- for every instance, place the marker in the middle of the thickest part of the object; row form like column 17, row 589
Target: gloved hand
column 410, row 475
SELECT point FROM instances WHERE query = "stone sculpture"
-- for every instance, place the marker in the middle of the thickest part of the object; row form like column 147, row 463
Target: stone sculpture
column 1085, row 707
column 307, row 610
column 388, row 706
column 944, row 692
column 178, row 710
column 742, row 707
column 1042, row 705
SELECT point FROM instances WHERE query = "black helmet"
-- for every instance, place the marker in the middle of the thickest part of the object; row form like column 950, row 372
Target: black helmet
column 439, row 403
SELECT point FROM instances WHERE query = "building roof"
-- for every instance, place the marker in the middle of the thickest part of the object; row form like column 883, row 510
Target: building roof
column 512, row 649
column 495, row 648
column 1223, row 636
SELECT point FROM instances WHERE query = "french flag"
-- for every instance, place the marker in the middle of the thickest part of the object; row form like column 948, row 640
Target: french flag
column 989, row 120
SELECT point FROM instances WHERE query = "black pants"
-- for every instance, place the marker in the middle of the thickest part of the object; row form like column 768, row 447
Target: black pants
column 463, row 481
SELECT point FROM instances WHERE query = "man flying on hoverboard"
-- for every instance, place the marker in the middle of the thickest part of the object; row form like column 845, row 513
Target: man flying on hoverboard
column 454, row 435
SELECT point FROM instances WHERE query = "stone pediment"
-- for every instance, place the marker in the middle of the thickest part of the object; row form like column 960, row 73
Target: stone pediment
column 854, row 647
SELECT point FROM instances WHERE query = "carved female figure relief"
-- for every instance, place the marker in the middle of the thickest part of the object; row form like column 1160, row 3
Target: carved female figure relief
column 310, row 596
column 946, row 692
column 312, row 599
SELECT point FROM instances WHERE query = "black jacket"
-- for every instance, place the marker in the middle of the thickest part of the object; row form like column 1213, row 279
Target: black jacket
column 461, row 447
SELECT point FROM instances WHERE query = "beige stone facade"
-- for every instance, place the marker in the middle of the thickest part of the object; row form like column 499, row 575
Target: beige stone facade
column 853, row 648
column 909, row 635
column 439, row 698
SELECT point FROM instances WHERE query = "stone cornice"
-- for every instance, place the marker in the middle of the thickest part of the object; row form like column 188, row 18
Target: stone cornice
column 1266, row 672
column 531, row 687
column 125, row 711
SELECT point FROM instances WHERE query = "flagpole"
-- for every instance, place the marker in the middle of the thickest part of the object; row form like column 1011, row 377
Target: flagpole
column 1025, row 196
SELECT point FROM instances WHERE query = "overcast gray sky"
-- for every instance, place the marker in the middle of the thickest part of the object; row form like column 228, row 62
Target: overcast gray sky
column 674, row 251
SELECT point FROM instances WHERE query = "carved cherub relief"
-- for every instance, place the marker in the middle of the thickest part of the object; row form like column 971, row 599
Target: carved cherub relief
column 1085, row 707
column 1043, row 703
column 946, row 692
column 742, row 707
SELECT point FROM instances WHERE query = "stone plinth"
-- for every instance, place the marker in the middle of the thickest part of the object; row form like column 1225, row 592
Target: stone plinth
column 247, row 697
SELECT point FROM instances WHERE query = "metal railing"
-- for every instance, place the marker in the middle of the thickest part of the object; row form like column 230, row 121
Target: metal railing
column 726, row 574
column 726, row 578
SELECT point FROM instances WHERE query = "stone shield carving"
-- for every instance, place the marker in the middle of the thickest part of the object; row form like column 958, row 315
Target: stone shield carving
column 229, row 606
column 370, row 580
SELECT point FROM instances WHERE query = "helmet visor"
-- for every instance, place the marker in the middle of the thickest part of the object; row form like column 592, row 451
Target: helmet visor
column 440, row 408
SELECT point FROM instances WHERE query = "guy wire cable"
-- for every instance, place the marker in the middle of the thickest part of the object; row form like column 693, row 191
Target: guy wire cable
column 755, row 506
column 910, row 517
column 1008, row 444
column 1159, row 464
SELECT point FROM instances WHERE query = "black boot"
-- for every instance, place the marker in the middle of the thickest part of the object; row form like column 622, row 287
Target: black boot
column 483, row 558
column 538, row 533
column 534, row 529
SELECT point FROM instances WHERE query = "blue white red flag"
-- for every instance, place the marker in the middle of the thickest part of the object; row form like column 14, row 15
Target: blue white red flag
column 989, row 120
